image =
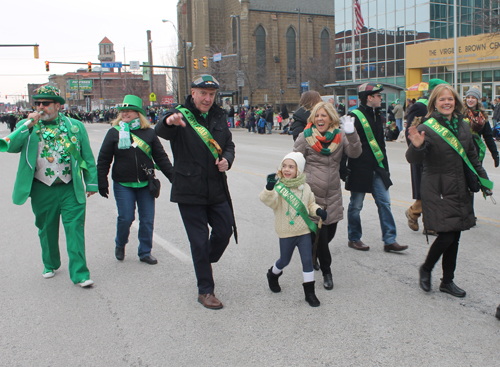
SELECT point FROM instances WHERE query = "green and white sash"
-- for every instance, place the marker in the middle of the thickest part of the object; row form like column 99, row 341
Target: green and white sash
column 202, row 131
column 295, row 203
column 451, row 139
column 377, row 152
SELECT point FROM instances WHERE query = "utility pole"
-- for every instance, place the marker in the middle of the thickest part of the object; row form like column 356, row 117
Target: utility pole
column 150, row 60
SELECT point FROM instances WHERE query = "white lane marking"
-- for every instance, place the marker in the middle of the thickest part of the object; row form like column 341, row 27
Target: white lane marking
column 174, row 251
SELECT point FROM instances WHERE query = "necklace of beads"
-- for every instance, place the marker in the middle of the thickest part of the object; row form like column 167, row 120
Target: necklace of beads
column 52, row 138
column 292, row 217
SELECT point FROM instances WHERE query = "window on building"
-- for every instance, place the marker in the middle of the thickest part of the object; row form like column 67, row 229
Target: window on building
column 291, row 56
column 476, row 77
column 260, row 51
column 234, row 25
column 107, row 49
column 325, row 46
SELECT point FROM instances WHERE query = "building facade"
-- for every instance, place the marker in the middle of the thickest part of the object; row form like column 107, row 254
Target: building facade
column 265, row 52
column 392, row 25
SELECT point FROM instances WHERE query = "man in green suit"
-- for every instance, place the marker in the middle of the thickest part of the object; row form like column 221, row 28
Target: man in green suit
column 55, row 152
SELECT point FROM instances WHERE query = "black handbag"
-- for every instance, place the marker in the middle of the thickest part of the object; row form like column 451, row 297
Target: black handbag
column 154, row 185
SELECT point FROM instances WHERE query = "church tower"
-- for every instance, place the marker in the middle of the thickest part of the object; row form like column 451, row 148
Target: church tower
column 106, row 52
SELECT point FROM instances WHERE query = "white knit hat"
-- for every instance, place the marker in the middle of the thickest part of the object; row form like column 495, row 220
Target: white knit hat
column 298, row 158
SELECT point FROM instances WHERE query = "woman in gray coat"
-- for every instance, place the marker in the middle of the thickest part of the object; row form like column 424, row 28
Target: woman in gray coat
column 322, row 143
column 446, row 198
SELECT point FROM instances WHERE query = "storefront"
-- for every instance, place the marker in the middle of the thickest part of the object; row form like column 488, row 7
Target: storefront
column 478, row 63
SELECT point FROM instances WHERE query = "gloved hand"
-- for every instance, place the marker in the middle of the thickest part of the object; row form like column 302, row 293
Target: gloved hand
column 347, row 124
column 103, row 191
column 496, row 161
column 321, row 213
column 271, row 181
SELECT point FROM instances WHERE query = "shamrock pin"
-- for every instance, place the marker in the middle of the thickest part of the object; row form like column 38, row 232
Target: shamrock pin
column 49, row 172
column 74, row 129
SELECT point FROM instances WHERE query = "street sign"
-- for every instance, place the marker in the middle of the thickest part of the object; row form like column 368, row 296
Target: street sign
column 217, row 57
column 111, row 65
column 152, row 97
column 167, row 100
column 304, row 87
column 145, row 72
column 134, row 65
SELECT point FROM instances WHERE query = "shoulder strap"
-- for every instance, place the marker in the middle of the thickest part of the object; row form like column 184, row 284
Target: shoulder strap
column 296, row 203
column 377, row 152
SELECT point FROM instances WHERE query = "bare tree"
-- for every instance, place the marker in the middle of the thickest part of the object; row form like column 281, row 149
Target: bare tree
column 319, row 73
column 490, row 19
column 225, row 71
column 137, row 87
column 255, row 78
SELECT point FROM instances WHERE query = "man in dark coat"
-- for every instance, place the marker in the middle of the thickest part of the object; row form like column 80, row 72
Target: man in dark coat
column 369, row 173
column 269, row 117
column 199, row 185
column 12, row 120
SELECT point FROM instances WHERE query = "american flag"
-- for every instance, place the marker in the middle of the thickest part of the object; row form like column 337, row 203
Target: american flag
column 359, row 18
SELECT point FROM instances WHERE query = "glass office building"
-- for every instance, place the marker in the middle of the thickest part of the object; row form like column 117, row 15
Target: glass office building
column 390, row 25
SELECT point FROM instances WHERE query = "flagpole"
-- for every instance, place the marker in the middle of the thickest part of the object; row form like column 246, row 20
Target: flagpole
column 353, row 63
column 455, row 34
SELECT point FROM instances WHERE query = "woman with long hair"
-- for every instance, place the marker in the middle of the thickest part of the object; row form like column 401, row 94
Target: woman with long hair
column 307, row 101
column 443, row 143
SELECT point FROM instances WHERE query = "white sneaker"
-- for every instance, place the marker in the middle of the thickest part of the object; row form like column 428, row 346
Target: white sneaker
column 48, row 274
column 86, row 283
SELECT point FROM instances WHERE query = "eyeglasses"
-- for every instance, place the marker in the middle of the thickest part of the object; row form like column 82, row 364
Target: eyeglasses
column 37, row 103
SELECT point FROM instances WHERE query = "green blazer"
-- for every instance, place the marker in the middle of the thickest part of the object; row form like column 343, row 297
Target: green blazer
column 26, row 142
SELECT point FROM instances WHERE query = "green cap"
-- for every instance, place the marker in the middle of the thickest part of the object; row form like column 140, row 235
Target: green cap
column 49, row 92
column 131, row 102
column 433, row 83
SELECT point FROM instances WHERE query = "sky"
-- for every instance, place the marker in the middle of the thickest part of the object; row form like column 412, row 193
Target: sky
column 70, row 31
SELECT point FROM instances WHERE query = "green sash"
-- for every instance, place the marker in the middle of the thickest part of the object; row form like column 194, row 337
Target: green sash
column 202, row 131
column 481, row 146
column 141, row 144
column 71, row 148
column 379, row 156
column 295, row 202
column 448, row 137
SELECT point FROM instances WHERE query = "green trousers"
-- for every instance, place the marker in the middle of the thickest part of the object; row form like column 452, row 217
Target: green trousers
column 50, row 204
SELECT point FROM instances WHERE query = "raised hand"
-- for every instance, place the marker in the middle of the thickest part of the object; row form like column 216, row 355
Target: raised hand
column 176, row 119
column 347, row 124
column 415, row 137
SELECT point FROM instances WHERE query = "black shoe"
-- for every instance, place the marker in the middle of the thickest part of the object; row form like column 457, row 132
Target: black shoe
column 498, row 312
column 425, row 279
column 310, row 294
column 151, row 260
column 316, row 265
column 272, row 278
column 120, row 253
column 452, row 289
column 328, row 281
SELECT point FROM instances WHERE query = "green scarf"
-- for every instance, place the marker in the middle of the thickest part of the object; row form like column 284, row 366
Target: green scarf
column 294, row 182
column 451, row 125
column 124, row 132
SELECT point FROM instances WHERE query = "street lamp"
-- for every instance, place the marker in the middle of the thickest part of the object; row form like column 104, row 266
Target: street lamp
column 185, row 56
column 239, row 59
column 300, row 56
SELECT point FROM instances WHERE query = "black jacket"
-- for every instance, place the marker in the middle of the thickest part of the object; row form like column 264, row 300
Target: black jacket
column 360, row 177
column 127, row 166
column 197, row 179
column 299, row 121
column 269, row 115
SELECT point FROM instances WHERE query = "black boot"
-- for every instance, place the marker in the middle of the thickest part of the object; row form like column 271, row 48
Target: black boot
column 498, row 312
column 425, row 279
column 272, row 278
column 328, row 281
column 310, row 295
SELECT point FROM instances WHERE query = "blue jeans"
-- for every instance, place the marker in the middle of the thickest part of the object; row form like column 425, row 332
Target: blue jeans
column 383, row 202
column 304, row 244
column 269, row 127
column 399, row 124
column 231, row 121
column 126, row 197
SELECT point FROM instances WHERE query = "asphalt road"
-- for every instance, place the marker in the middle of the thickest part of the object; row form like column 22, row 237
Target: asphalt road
column 142, row 315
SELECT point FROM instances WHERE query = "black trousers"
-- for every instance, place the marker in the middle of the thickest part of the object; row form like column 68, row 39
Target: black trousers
column 323, row 255
column 206, row 247
column 446, row 244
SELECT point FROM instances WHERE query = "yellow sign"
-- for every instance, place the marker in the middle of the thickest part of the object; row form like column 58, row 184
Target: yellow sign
column 471, row 50
column 152, row 97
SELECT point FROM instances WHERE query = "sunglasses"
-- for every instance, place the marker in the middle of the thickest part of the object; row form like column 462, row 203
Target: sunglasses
column 43, row 103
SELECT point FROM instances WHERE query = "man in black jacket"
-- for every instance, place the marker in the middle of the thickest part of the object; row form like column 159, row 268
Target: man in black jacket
column 369, row 173
column 203, row 151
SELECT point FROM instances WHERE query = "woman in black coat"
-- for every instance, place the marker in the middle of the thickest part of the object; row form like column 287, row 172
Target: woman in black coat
column 307, row 101
column 133, row 145
column 446, row 198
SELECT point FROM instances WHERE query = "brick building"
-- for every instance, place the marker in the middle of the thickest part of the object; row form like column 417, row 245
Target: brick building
column 277, row 53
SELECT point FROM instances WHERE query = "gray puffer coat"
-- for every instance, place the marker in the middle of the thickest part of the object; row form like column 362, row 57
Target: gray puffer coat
column 446, row 200
column 323, row 176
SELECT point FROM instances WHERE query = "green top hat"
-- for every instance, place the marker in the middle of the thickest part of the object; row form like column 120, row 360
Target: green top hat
column 49, row 92
column 433, row 83
column 131, row 102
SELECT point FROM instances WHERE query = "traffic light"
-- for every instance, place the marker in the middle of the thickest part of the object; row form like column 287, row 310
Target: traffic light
column 36, row 51
column 89, row 67
column 205, row 62
column 195, row 63
column 46, row 66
